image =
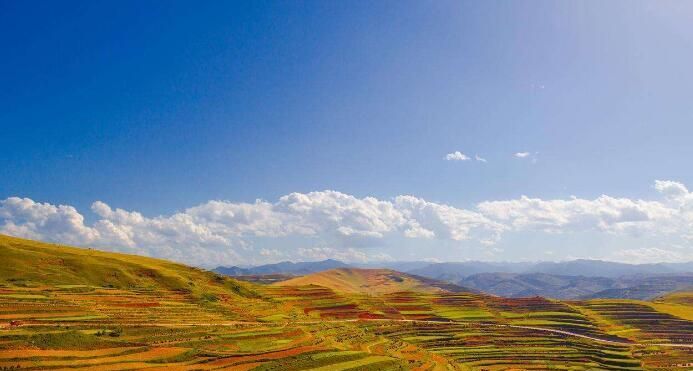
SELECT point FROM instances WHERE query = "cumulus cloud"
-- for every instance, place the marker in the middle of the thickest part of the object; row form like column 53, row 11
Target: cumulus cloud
column 340, row 214
column 521, row 154
column 603, row 214
column 273, row 253
column 428, row 219
column 673, row 191
column 219, row 232
column 479, row 158
column 223, row 231
column 31, row 219
column 456, row 156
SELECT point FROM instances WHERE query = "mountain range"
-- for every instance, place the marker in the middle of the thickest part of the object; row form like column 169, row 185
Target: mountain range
column 577, row 279
column 577, row 287
column 287, row 267
column 581, row 267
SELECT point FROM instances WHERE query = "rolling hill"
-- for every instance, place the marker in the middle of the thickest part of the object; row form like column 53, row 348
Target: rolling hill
column 371, row 281
column 27, row 262
column 67, row 308
column 597, row 279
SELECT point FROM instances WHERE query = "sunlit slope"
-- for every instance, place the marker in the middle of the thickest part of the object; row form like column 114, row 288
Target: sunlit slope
column 370, row 281
column 679, row 297
column 31, row 262
column 679, row 304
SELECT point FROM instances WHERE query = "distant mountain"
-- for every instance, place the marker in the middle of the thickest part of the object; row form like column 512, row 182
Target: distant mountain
column 536, row 284
column 582, row 267
column 576, row 287
column 371, row 281
column 456, row 271
column 299, row 268
column 645, row 287
column 574, row 279
column 599, row 268
column 232, row 271
column 401, row 266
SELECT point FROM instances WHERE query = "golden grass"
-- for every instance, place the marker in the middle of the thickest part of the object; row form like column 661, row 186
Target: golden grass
column 369, row 281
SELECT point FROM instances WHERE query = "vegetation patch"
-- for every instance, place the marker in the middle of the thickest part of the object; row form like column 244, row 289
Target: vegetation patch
column 67, row 340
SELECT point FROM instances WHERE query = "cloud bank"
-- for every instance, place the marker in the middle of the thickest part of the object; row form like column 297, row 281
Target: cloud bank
column 338, row 225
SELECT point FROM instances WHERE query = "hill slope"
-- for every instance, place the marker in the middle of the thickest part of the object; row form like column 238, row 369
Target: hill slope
column 31, row 262
column 371, row 281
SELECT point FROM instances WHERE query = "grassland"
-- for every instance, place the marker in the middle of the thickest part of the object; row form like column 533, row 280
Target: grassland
column 67, row 308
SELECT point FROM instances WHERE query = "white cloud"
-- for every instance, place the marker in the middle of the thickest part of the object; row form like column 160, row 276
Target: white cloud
column 32, row 219
column 479, row 158
column 428, row 219
column 271, row 253
column 673, row 191
column 222, row 231
column 527, row 155
column 456, row 156
column 340, row 214
column 219, row 232
column 604, row 213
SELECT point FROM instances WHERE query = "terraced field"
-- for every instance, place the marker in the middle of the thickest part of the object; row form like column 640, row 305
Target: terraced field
column 112, row 329
column 130, row 313
column 642, row 321
column 497, row 347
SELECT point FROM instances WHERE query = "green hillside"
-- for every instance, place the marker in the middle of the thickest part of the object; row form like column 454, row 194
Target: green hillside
column 26, row 262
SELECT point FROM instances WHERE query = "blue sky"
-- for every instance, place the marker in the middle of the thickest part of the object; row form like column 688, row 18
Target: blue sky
column 159, row 107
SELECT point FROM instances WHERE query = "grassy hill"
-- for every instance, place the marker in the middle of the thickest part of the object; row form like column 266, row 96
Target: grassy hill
column 371, row 281
column 68, row 308
column 26, row 262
